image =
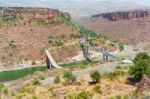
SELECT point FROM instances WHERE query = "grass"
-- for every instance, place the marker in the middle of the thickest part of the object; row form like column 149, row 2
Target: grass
column 76, row 63
column 15, row 74
column 82, row 63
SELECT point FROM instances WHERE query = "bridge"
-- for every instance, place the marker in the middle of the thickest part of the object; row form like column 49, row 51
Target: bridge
column 86, row 47
column 51, row 63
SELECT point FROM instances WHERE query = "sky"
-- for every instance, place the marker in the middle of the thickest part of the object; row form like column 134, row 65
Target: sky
column 81, row 8
column 46, row 2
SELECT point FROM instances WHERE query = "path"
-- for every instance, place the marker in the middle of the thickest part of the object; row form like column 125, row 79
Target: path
column 103, row 68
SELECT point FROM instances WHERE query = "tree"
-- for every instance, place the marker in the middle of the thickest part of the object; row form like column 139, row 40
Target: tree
column 141, row 66
column 95, row 75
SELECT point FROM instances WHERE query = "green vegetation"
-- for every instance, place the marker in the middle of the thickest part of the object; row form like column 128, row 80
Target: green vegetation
column 14, row 74
column 3, row 90
column 86, row 32
column 121, row 97
column 81, row 95
column 141, row 66
column 75, row 36
column 56, row 41
column 36, row 82
column 67, row 19
column 96, row 76
column 121, row 46
column 41, row 77
column 34, row 97
column 57, row 80
column 84, row 95
column 33, row 62
column 81, row 64
column 97, row 88
column 76, row 64
column 12, row 46
column 69, row 77
column 6, row 20
column 1, row 87
column 114, row 75
column 43, row 22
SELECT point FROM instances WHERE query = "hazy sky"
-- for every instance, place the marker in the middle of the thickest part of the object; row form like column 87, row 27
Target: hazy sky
column 45, row 2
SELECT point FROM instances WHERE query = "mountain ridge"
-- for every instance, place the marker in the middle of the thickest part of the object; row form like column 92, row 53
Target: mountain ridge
column 127, row 28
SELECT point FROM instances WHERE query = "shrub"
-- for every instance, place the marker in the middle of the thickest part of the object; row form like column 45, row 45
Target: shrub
column 69, row 77
column 74, row 36
column 95, row 75
column 33, row 62
column 36, row 82
column 41, row 77
column 97, row 88
column 1, row 87
column 58, row 43
column 121, row 46
column 141, row 66
column 12, row 46
column 57, row 80
column 112, row 76
column 34, row 97
column 84, row 95
column 119, row 97
column 5, row 91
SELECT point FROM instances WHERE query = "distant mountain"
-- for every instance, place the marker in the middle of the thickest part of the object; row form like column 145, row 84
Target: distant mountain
column 130, row 26
column 78, row 8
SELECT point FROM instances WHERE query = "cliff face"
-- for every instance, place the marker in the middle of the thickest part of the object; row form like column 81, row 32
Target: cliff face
column 131, row 27
column 115, row 16
column 32, row 13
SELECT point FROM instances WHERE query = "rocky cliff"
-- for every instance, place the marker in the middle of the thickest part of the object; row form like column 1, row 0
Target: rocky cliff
column 115, row 16
column 131, row 27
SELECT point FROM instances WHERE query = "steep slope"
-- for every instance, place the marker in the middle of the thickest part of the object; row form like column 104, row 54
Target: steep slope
column 27, row 32
column 129, row 26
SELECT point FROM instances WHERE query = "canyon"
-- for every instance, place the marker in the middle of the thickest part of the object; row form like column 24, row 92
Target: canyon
column 115, row 16
column 131, row 27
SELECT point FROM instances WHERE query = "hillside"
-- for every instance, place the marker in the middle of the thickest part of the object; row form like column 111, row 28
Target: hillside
column 130, row 26
column 25, row 34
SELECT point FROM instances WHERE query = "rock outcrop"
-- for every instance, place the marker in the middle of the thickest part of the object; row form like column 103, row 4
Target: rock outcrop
column 31, row 13
column 115, row 16
column 131, row 27
column 144, row 86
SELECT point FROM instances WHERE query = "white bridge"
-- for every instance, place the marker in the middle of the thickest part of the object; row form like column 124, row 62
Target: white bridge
column 51, row 63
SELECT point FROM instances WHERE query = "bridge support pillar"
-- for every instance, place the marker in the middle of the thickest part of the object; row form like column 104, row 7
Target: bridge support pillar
column 86, row 52
column 49, row 65
column 105, row 56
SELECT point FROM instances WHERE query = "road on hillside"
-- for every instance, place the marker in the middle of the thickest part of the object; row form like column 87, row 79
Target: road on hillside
column 103, row 68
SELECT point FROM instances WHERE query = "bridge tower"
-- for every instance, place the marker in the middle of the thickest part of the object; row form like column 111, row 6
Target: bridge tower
column 105, row 55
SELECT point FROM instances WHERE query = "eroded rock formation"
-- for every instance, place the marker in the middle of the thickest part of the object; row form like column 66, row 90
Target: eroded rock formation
column 31, row 13
column 115, row 16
